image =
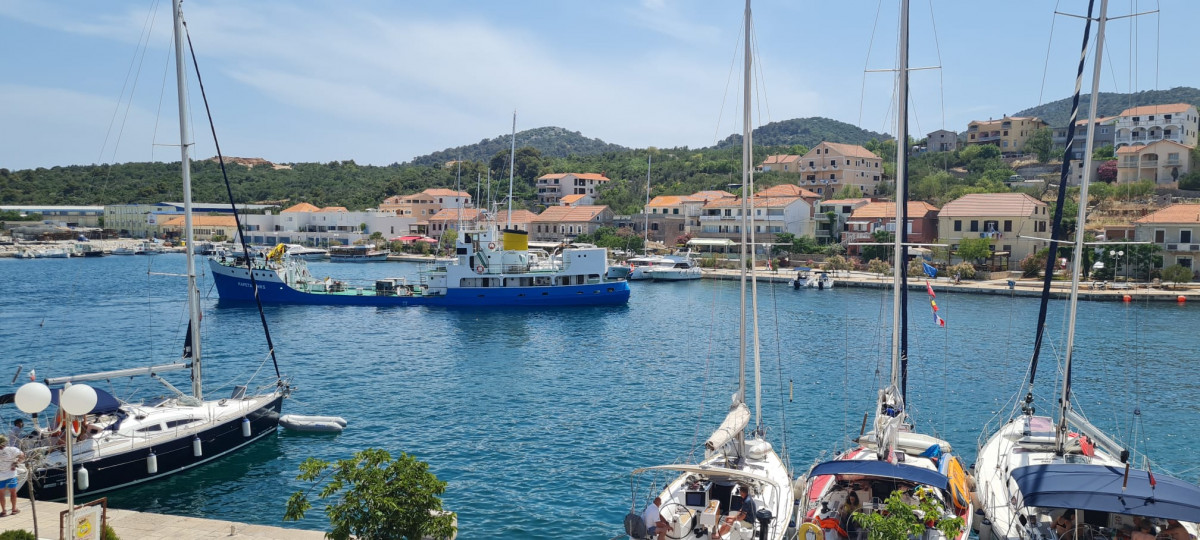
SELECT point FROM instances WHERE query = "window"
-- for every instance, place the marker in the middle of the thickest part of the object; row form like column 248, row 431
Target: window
column 1166, row 117
column 832, row 176
column 1185, row 262
column 1185, row 236
column 958, row 225
column 1008, row 248
column 654, row 226
column 1160, row 236
column 1006, row 133
column 974, row 225
column 675, row 211
column 991, row 226
column 1103, row 130
column 1166, row 133
column 1008, row 225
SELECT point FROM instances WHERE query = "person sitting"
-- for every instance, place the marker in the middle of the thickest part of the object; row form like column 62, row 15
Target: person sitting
column 849, row 508
column 656, row 526
column 1064, row 525
column 1174, row 531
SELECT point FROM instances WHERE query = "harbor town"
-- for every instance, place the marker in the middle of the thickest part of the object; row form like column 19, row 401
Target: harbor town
column 965, row 329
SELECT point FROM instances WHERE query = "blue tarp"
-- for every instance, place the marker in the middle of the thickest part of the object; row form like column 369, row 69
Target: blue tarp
column 105, row 402
column 1098, row 488
column 881, row 469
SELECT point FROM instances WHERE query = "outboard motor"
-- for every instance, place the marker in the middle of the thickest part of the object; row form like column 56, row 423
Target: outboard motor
column 764, row 517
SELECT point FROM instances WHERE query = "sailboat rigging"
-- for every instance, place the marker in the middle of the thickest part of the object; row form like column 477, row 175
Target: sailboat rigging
column 1063, row 478
column 742, row 487
column 893, row 457
column 131, row 443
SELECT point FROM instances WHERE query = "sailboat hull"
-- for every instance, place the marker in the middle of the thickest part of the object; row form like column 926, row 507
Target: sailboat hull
column 113, row 470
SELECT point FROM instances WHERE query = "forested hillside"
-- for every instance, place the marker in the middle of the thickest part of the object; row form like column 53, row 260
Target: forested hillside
column 805, row 131
column 1111, row 104
column 550, row 141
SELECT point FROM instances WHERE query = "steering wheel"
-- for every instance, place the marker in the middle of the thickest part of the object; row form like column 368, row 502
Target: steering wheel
column 677, row 512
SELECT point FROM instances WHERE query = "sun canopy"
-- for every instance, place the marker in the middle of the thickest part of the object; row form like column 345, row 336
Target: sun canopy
column 881, row 469
column 717, row 242
column 1099, row 488
column 105, row 402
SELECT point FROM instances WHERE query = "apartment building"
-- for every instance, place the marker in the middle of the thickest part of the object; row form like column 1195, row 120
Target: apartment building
column 552, row 187
column 831, row 218
column 1175, row 229
column 1008, row 133
column 829, row 166
column 1106, row 133
column 426, row 204
column 1012, row 221
column 564, row 223
column 784, row 208
column 942, row 140
column 1171, row 122
column 782, row 163
column 920, row 225
column 1162, row 162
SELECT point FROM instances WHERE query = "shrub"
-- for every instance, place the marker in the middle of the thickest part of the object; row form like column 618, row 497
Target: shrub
column 876, row 266
column 109, row 533
column 1033, row 264
column 838, row 262
column 17, row 534
column 1177, row 274
column 964, row 270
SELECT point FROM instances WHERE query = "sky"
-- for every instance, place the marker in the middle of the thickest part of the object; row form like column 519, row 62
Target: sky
column 384, row 81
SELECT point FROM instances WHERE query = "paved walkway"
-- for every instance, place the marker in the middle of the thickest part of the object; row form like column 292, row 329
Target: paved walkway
column 1021, row 287
column 130, row 525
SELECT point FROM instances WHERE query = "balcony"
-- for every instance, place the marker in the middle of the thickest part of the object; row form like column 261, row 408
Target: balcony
column 1182, row 247
column 1149, row 164
column 720, row 218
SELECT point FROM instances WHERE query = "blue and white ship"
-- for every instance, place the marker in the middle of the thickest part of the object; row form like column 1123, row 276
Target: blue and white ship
column 490, row 268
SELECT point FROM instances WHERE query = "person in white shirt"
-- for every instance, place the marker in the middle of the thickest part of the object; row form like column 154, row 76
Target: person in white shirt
column 10, row 456
column 15, row 432
column 656, row 526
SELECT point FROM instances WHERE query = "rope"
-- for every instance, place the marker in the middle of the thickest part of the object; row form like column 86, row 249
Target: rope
column 233, row 205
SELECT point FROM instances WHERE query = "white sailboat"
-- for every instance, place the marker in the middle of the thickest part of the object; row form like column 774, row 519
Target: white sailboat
column 709, row 499
column 1043, row 478
column 125, row 443
column 892, row 458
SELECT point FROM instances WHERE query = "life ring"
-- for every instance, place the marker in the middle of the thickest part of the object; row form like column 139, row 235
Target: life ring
column 491, row 246
column 60, row 422
column 811, row 531
column 479, row 269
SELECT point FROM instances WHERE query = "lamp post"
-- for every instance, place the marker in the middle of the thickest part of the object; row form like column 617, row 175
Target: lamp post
column 74, row 400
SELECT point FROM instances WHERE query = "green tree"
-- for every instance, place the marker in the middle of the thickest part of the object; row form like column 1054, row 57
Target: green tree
column 848, row 191
column 1177, row 273
column 975, row 250
column 449, row 238
column 373, row 497
column 1040, row 143
column 880, row 251
column 1104, row 153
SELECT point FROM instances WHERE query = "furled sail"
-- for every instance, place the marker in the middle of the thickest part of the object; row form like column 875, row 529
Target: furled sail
column 734, row 423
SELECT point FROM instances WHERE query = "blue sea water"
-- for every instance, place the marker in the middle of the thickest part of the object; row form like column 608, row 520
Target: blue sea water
column 536, row 418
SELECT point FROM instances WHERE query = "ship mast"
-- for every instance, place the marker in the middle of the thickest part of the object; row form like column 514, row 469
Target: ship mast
column 185, row 164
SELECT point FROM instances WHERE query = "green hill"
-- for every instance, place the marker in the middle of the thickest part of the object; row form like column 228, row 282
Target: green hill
column 550, row 141
column 806, row 131
column 1111, row 104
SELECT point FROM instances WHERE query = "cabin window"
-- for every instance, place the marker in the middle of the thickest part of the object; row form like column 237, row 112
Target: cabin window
column 177, row 423
column 149, row 429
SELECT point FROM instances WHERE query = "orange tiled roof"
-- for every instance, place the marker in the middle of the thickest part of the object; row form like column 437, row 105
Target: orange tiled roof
column 442, row 192
column 333, row 209
column 451, row 214
column 203, row 221
column 1137, row 148
column 302, row 207
column 886, row 210
column 518, row 216
column 711, row 194
column 781, row 158
column 852, row 150
column 584, row 176
column 1169, row 108
column 568, row 199
column 1099, row 121
column 991, row 204
column 570, row 213
column 1176, row 213
column 757, row 202
column 672, row 200
column 786, row 190
column 845, row 201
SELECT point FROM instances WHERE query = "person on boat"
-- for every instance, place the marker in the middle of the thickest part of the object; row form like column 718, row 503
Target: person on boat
column 1143, row 529
column 10, row 456
column 16, row 431
column 656, row 526
column 849, row 507
column 744, row 516
column 1064, row 525
column 1174, row 531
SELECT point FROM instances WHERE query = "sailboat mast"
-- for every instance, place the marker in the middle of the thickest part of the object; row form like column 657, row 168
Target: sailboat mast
column 1065, row 401
column 746, row 156
column 185, row 164
column 646, row 210
column 901, row 190
column 512, row 164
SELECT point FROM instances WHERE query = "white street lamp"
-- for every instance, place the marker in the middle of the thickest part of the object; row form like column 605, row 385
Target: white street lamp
column 74, row 400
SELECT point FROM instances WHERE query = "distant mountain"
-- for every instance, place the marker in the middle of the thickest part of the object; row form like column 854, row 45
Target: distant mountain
column 550, row 141
column 807, row 131
column 1111, row 104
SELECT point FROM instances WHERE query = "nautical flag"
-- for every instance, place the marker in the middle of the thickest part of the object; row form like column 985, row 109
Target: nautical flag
column 1151, row 475
column 941, row 322
column 768, row 265
column 929, row 270
column 929, row 289
column 934, row 304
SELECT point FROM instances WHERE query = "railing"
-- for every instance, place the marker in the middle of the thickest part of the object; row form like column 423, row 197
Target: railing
column 1148, row 163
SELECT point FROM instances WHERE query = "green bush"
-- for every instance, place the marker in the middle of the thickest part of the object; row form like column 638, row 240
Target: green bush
column 876, row 266
column 109, row 533
column 964, row 270
column 17, row 534
column 1033, row 264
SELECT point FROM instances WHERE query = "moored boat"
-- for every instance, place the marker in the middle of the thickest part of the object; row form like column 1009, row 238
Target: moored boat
column 356, row 254
column 490, row 269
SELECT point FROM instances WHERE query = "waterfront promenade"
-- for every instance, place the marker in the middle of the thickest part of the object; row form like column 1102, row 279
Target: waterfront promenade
column 131, row 525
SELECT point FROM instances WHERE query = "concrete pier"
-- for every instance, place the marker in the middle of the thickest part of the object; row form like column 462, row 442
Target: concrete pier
column 130, row 525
